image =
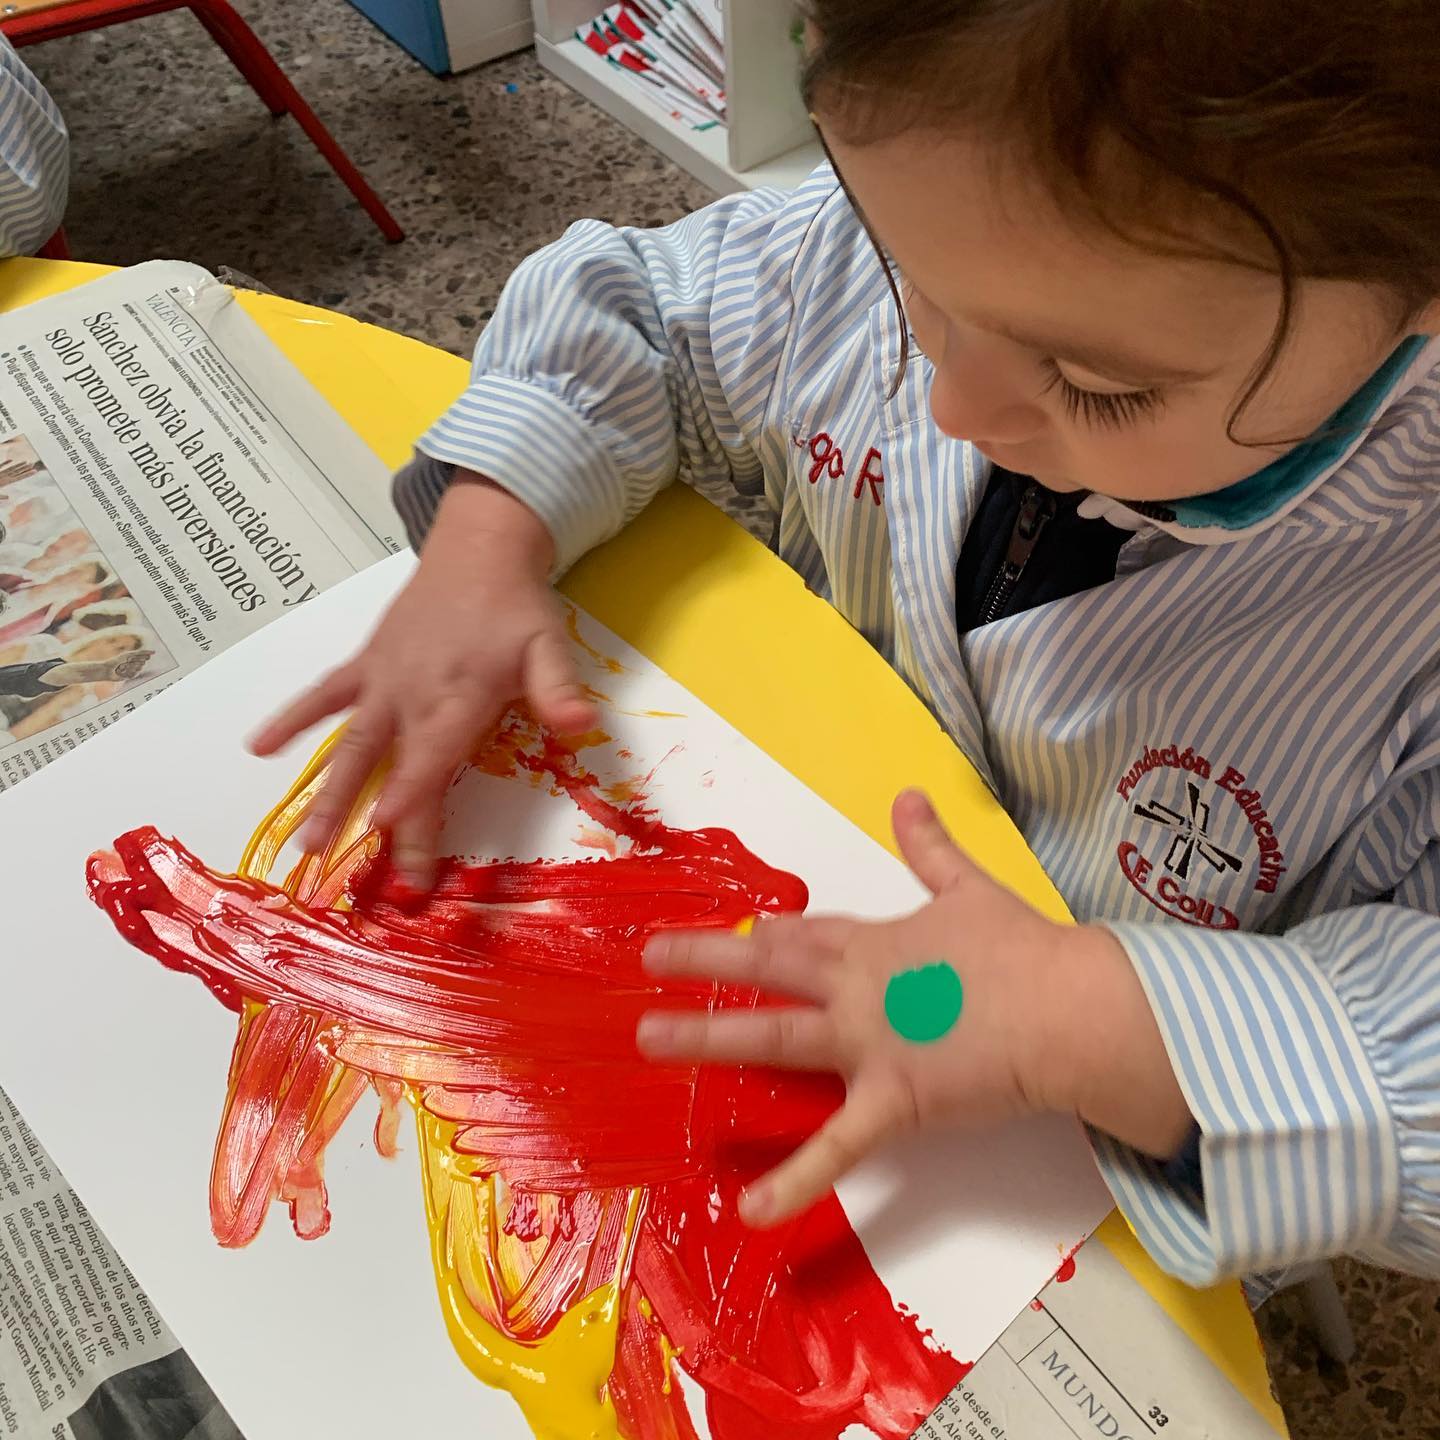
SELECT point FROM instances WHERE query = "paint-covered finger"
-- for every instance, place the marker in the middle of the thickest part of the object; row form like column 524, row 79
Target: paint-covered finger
column 552, row 684
column 359, row 749
column 859, row 1127
column 926, row 844
column 793, row 1038
column 415, row 839
column 793, row 967
column 335, row 692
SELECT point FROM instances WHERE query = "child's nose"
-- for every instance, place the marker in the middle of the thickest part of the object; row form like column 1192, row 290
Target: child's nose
column 985, row 389
column 985, row 405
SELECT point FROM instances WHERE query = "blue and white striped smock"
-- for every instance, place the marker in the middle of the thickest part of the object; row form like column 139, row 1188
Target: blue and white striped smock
column 34, row 159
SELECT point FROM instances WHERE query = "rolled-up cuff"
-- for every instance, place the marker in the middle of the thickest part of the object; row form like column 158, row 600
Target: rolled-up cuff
column 533, row 446
column 1298, row 1150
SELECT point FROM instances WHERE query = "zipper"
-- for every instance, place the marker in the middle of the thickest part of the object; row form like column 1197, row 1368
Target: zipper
column 1037, row 505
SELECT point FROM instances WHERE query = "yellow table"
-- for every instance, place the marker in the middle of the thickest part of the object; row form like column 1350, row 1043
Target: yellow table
column 823, row 704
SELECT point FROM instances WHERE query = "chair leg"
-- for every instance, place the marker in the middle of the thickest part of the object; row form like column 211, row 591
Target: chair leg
column 1325, row 1311
column 271, row 83
column 252, row 67
column 57, row 247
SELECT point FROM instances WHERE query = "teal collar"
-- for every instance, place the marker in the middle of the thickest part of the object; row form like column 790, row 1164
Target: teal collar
column 1258, row 496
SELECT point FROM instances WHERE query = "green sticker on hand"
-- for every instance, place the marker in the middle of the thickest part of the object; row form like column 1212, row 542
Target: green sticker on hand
column 923, row 1004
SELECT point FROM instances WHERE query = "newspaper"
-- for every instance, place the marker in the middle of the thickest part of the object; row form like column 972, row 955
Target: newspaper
column 82, row 1352
column 168, row 484
column 1095, row 1358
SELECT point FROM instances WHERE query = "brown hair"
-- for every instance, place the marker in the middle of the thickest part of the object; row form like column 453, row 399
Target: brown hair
column 1314, row 124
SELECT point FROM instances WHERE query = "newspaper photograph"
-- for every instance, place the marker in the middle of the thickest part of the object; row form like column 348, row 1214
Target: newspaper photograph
column 72, row 635
column 83, row 1355
column 168, row 484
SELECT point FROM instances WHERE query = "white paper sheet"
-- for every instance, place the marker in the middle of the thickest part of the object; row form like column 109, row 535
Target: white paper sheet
column 120, row 1064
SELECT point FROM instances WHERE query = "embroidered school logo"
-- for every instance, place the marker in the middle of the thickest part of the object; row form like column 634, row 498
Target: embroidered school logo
column 1190, row 846
column 1189, row 835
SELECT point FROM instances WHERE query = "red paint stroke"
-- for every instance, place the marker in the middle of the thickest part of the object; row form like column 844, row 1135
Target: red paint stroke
column 507, row 1004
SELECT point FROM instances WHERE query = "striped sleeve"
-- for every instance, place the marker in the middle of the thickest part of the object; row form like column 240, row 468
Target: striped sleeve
column 620, row 359
column 1312, row 1064
column 34, row 159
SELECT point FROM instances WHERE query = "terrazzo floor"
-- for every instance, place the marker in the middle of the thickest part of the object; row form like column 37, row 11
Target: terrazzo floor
column 174, row 156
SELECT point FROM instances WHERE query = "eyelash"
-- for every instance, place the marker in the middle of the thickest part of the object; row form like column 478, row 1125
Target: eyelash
column 1095, row 407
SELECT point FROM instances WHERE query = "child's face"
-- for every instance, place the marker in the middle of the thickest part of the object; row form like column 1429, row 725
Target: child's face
column 1069, row 354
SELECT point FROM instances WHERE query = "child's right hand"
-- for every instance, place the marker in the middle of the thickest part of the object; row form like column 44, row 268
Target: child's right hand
column 477, row 627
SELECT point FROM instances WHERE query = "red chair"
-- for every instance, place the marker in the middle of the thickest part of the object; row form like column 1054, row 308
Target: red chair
column 26, row 22
column 57, row 247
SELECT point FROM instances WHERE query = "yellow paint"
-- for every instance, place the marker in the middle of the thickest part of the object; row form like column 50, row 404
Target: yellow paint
column 608, row 663
column 700, row 598
column 558, row 1381
column 668, row 1353
column 624, row 792
column 306, row 881
column 593, row 837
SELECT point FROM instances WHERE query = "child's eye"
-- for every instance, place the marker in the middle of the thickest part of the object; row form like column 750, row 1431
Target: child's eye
column 1100, row 407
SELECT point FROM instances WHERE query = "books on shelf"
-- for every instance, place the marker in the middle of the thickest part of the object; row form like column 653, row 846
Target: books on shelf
column 672, row 53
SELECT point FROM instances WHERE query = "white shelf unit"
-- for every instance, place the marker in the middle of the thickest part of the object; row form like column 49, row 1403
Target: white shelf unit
column 768, row 140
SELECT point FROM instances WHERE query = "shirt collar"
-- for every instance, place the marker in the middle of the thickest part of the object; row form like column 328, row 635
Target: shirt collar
column 1259, row 500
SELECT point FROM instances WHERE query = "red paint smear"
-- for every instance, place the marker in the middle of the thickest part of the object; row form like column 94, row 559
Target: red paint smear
column 1067, row 1266
column 507, row 1003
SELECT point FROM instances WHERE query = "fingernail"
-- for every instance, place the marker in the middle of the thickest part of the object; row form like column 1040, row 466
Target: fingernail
column 921, row 811
column 653, row 1031
column 757, row 1204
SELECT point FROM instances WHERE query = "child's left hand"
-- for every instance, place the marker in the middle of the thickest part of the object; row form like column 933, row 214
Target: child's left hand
column 1040, row 1001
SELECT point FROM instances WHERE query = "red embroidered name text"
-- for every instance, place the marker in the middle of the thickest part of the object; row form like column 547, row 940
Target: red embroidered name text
column 828, row 459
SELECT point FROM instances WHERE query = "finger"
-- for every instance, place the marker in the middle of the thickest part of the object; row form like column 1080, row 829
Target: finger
column 926, row 845
column 812, row 932
column 788, row 964
column 358, row 751
column 795, row 1038
column 415, row 839
column 428, row 753
column 335, row 692
column 857, row 1128
column 552, row 684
